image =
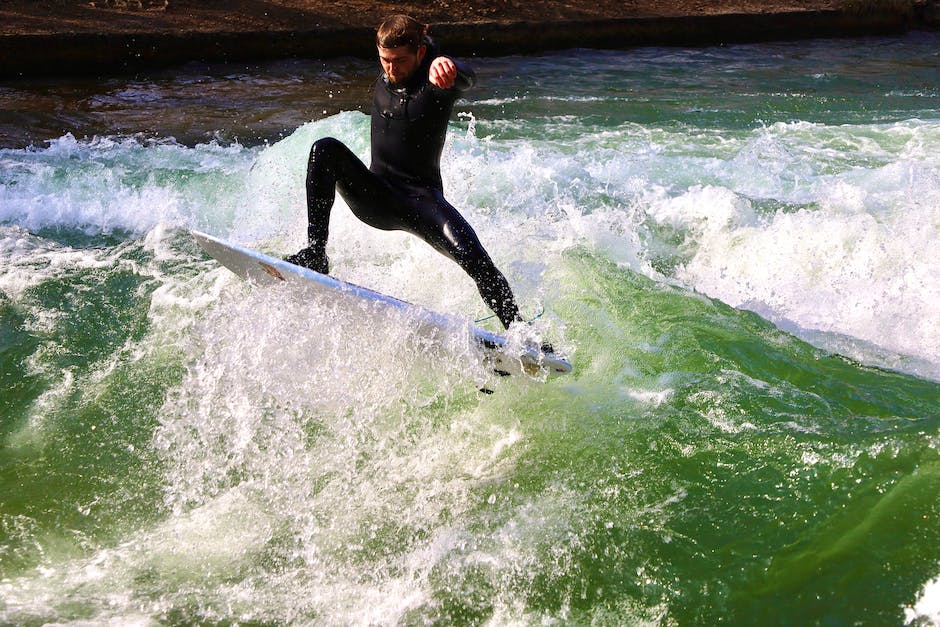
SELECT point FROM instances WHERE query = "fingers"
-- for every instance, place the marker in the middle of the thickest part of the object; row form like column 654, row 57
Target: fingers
column 443, row 73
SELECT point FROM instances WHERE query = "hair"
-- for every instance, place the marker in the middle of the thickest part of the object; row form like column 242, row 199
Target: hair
column 400, row 30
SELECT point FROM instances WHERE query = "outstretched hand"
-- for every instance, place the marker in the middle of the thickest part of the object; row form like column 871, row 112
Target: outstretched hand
column 443, row 73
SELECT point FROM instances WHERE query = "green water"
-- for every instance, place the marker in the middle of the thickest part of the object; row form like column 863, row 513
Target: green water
column 736, row 247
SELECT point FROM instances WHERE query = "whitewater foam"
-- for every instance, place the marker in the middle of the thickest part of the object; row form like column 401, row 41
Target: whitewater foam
column 926, row 610
column 104, row 185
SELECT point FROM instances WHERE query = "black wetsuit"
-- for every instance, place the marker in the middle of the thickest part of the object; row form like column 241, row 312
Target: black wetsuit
column 402, row 189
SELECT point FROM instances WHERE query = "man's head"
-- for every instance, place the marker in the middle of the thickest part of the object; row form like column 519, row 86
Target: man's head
column 400, row 41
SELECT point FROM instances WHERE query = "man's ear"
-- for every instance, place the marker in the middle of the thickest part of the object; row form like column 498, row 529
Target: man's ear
column 422, row 50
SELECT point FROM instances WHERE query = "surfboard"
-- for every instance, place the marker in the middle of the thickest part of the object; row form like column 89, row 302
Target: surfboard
column 262, row 269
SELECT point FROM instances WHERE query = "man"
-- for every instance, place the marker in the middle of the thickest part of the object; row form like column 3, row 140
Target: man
column 402, row 189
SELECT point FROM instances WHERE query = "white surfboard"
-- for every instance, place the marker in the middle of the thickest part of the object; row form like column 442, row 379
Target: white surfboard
column 266, row 270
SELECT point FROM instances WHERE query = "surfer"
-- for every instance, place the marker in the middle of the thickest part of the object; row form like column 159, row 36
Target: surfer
column 402, row 189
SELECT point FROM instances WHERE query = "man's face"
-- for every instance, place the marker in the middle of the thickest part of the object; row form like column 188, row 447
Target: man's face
column 400, row 63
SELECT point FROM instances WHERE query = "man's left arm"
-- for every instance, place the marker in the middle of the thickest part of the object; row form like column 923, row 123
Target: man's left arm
column 446, row 73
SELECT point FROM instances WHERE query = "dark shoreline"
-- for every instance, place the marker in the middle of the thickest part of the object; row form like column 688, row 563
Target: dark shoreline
column 81, row 53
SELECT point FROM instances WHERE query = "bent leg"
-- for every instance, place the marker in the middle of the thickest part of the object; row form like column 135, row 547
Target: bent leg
column 442, row 226
column 333, row 166
column 329, row 159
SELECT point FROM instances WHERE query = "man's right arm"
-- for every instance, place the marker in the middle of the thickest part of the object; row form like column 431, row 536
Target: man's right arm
column 466, row 77
column 445, row 73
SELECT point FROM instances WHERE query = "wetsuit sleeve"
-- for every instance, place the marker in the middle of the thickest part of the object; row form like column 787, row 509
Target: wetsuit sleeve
column 466, row 77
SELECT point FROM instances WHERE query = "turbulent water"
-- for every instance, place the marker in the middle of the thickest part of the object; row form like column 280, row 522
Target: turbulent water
column 737, row 247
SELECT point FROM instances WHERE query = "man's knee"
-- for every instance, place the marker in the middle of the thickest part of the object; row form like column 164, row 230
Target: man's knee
column 325, row 147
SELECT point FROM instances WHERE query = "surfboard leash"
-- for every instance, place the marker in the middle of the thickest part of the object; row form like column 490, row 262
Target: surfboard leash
column 530, row 321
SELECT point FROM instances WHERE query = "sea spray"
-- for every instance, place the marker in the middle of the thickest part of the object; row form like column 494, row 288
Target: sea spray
column 131, row 184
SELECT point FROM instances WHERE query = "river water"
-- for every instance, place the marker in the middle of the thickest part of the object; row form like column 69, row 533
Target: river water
column 737, row 246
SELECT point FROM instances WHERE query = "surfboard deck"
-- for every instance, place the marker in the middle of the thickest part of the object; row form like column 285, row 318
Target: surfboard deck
column 263, row 269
